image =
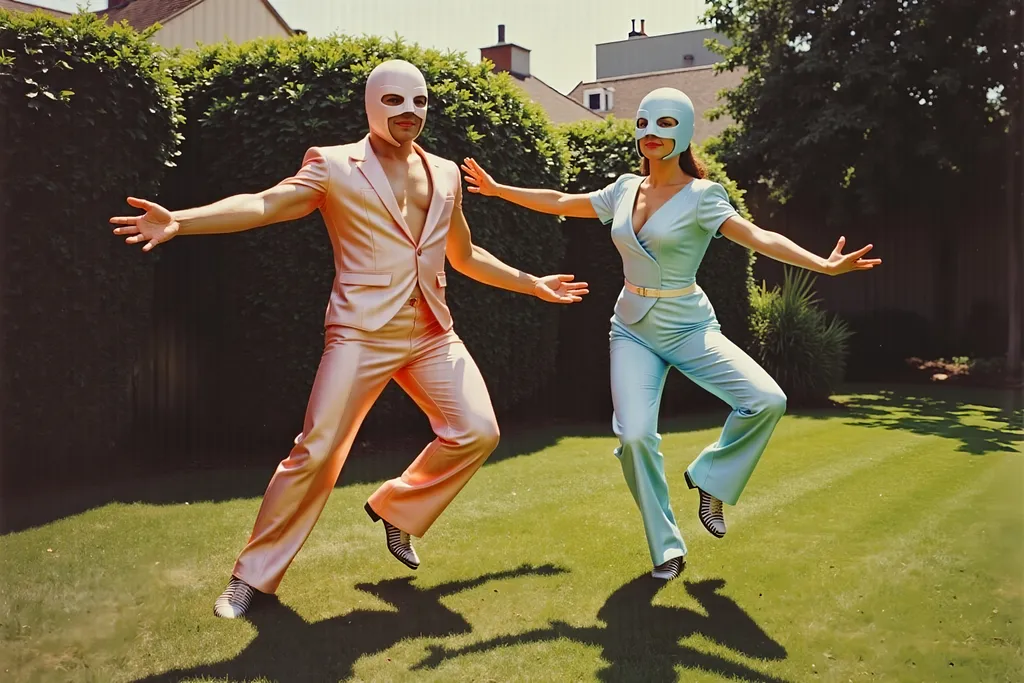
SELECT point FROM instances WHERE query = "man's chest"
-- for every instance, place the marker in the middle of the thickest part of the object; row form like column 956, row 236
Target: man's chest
column 411, row 185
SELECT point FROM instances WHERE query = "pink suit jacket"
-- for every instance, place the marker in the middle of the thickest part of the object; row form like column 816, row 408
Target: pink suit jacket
column 377, row 262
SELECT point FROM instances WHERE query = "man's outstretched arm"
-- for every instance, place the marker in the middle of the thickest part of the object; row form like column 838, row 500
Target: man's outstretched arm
column 293, row 198
column 246, row 211
column 233, row 214
column 482, row 266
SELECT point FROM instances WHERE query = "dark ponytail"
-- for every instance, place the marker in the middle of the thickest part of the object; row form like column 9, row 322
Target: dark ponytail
column 687, row 161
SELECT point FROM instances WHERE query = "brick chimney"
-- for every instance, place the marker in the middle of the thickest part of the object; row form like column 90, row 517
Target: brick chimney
column 507, row 56
column 633, row 33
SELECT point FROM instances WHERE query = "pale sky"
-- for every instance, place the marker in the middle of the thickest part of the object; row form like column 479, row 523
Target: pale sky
column 560, row 34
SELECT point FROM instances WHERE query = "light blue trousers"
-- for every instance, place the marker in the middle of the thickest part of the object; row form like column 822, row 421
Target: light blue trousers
column 683, row 332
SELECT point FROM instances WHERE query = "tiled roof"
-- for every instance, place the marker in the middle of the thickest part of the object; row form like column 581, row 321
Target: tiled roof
column 141, row 14
column 700, row 83
column 26, row 7
column 560, row 108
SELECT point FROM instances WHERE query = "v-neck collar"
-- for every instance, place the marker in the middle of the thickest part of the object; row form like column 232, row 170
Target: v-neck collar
column 372, row 169
column 632, row 206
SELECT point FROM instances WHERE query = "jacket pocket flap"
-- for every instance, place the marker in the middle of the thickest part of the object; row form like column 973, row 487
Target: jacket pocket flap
column 368, row 278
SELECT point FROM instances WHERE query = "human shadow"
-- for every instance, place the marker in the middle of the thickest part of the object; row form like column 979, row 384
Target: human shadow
column 982, row 422
column 288, row 648
column 640, row 641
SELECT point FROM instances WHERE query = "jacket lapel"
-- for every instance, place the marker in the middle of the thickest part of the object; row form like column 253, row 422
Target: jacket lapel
column 371, row 169
column 625, row 222
column 436, row 194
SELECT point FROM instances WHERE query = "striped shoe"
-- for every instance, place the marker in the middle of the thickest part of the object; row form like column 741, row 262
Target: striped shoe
column 399, row 542
column 709, row 511
column 235, row 600
column 670, row 569
column 711, row 516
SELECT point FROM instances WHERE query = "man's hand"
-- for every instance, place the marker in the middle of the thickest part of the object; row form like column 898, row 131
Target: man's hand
column 560, row 289
column 155, row 226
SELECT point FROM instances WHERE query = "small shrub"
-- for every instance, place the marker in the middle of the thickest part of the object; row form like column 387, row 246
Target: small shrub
column 963, row 370
column 796, row 342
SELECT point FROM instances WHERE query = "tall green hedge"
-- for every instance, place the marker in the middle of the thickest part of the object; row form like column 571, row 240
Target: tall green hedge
column 252, row 112
column 599, row 153
column 88, row 116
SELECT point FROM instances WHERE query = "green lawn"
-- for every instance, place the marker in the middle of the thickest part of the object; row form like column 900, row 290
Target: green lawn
column 882, row 542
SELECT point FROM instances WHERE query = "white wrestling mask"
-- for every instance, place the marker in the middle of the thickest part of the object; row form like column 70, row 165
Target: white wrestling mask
column 394, row 77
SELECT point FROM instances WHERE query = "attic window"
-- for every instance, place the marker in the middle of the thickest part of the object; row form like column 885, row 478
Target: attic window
column 599, row 99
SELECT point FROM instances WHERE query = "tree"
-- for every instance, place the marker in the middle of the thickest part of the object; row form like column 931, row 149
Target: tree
column 865, row 106
column 845, row 101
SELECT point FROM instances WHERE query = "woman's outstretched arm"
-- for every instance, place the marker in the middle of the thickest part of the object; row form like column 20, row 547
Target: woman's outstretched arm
column 543, row 201
column 781, row 248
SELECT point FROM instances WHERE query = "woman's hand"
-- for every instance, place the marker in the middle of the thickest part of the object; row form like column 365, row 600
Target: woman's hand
column 479, row 181
column 839, row 263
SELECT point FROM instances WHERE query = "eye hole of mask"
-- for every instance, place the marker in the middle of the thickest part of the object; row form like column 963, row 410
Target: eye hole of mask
column 395, row 100
column 663, row 122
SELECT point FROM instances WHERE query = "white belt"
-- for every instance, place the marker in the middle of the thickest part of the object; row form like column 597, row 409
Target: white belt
column 659, row 293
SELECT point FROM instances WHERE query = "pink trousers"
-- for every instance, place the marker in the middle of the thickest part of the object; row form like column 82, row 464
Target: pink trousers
column 432, row 366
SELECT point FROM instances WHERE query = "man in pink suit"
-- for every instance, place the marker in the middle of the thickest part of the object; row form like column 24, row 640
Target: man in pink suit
column 393, row 212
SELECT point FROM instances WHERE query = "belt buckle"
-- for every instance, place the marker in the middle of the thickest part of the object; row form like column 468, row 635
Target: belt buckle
column 642, row 291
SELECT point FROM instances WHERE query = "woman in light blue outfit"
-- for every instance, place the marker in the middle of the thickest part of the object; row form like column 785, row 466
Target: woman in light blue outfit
column 662, row 222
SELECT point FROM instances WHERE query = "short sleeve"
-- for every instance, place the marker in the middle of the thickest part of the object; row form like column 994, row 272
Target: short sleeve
column 314, row 173
column 605, row 200
column 713, row 208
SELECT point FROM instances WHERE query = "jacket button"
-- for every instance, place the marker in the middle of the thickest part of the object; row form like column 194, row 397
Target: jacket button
column 419, row 252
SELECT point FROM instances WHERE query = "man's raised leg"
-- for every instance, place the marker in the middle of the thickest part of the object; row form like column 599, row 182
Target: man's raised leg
column 447, row 385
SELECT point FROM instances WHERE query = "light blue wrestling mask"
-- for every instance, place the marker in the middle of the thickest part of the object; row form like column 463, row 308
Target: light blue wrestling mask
column 659, row 104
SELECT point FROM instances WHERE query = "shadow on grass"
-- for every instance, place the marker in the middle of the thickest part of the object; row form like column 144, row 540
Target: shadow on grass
column 209, row 478
column 288, row 648
column 641, row 641
column 983, row 422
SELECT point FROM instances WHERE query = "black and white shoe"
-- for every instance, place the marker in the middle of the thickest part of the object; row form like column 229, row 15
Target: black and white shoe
column 670, row 569
column 235, row 600
column 710, row 513
column 709, row 510
column 399, row 542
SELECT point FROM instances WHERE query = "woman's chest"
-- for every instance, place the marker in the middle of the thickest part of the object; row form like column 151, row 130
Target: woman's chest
column 649, row 203
column 656, row 225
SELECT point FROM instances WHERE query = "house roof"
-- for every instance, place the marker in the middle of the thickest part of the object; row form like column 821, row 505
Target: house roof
column 141, row 14
column 659, row 35
column 560, row 108
column 700, row 83
column 26, row 7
